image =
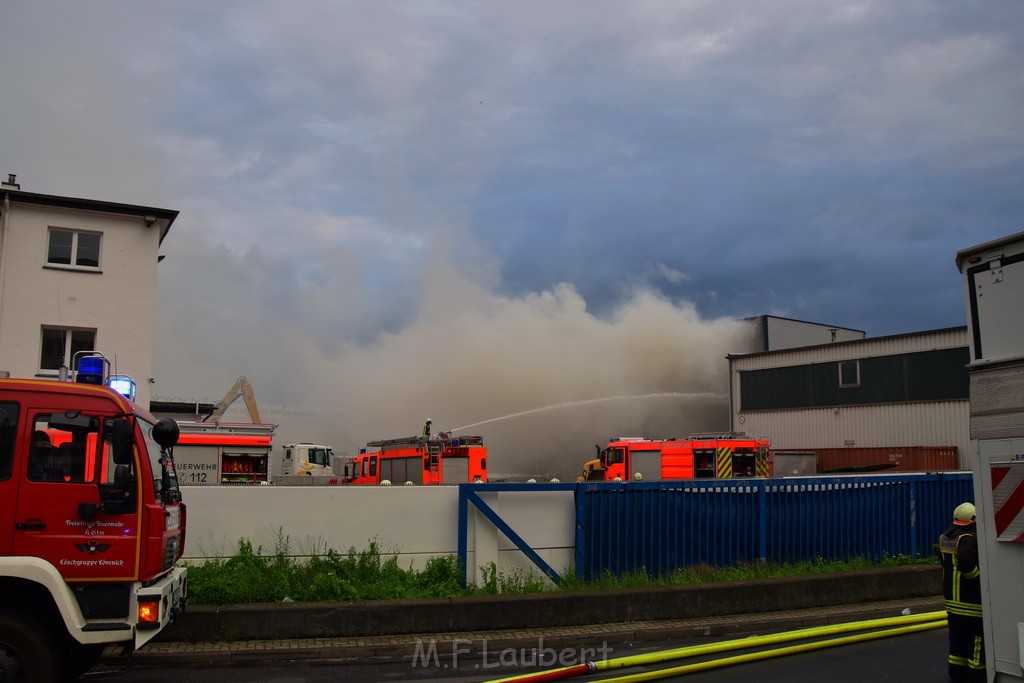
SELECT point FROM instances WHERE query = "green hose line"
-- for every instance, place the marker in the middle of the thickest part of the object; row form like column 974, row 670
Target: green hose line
column 743, row 643
column 770, row 654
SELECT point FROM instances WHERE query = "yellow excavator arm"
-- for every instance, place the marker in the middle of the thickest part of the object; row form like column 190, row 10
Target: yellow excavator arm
column 242, row 388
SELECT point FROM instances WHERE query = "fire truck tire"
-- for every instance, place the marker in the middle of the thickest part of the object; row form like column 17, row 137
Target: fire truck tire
column 81, row 658
column 28, row 650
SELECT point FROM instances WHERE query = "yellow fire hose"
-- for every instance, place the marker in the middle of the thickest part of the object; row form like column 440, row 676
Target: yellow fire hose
column 779, row 652
column 919, row 622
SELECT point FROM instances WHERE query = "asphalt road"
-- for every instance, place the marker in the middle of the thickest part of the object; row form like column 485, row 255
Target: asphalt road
column 912, row 658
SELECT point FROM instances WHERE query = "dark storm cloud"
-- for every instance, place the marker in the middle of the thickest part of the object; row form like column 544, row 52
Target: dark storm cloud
column 487, row 209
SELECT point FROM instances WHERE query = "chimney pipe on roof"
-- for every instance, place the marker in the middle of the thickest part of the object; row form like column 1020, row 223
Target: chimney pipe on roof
column 11, row 178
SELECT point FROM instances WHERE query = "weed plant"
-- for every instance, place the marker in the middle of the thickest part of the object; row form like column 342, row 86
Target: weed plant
column 253, row 576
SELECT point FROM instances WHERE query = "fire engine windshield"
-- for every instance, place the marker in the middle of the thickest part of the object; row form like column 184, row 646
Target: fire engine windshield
column 613, row 456
column 319, row 455
column 165, row 478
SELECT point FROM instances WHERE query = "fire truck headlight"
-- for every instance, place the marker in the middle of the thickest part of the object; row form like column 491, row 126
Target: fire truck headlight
column 149, row 611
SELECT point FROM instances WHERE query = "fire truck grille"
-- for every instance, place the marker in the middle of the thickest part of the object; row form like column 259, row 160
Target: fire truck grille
column 170, row 551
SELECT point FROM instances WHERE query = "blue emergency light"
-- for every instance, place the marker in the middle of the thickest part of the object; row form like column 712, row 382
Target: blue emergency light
column 124, row 385
column 90, row 370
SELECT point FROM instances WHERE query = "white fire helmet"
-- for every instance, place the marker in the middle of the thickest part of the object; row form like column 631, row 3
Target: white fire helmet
column 964, row 514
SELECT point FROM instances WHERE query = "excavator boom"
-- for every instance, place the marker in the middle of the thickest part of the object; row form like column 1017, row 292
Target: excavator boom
column 241, row 388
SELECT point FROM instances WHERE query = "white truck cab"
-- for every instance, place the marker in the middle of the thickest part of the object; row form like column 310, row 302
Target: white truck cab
column 308, row 459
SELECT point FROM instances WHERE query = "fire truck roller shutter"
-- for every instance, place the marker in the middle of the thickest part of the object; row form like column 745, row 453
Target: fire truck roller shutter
column 455, row 470
column 401, row 469
column 647, row 464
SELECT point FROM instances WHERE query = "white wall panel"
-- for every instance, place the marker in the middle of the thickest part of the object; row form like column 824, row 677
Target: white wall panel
column 413, row 522
column 784, row 333
column 941, row 423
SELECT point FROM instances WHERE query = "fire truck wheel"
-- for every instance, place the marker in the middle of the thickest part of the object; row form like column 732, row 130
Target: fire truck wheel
column 27, row 651
column 81, row 658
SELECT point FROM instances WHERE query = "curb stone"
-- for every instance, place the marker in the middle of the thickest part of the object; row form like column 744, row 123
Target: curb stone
column 476, row 644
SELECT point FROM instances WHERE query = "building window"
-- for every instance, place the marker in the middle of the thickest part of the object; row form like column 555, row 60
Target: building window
column 60, row 344
column 73, row 248
column 849, row 373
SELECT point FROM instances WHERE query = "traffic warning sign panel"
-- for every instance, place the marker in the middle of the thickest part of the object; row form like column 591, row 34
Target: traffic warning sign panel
column 1008, row 500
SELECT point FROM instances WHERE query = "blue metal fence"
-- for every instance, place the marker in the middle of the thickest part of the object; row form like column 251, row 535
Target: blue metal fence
column 661, row 526
column 658, row 527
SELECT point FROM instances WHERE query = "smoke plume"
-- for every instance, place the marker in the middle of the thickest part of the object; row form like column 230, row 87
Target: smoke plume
column 539, row 376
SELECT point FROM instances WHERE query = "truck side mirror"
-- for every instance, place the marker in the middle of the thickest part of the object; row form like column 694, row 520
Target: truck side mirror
column 121, row 441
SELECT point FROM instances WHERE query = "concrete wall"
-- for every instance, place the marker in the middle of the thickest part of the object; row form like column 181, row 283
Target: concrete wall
column 553, row 609
column 413, row 522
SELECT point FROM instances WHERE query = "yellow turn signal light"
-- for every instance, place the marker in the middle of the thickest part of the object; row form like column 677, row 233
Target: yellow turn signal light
column 149, row 612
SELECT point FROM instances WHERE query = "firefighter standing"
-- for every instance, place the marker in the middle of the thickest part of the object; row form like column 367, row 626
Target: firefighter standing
column 961, row 587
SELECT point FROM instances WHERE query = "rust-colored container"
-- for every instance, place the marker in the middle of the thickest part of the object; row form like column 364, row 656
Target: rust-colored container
column 888, row 459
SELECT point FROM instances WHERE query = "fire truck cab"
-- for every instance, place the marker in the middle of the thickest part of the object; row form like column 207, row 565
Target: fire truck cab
column 702, row 457
column 91, row 526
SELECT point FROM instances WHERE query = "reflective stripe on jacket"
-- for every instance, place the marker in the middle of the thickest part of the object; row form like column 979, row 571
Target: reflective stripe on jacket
column 961, row 583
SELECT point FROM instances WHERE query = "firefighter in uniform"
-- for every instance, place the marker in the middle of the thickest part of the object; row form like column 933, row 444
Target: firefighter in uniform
column 961, row 587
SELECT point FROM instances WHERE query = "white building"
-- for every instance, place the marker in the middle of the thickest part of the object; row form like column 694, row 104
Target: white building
column 78, row 274
column 907, row 390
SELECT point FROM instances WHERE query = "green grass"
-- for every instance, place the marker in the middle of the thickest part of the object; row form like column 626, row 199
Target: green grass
column 254, row 576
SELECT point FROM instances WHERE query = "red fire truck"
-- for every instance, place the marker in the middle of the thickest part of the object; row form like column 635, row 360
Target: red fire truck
column 698, row 457
column 93, row 526
column 420, row 460
column 220, row 453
